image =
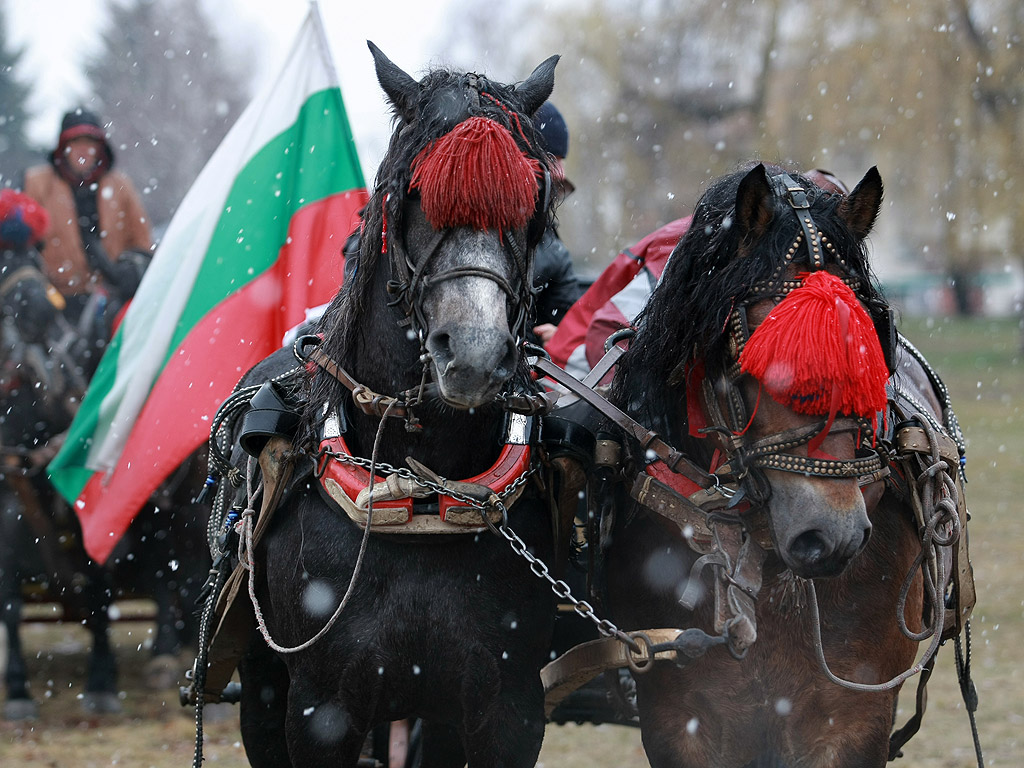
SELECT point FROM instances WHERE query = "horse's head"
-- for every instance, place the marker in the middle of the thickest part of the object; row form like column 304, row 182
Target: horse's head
column 460, row 202
column 775, row 360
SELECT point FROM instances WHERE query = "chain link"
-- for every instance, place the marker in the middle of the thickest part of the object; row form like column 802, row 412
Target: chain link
column 562, row 590
column 538, row 567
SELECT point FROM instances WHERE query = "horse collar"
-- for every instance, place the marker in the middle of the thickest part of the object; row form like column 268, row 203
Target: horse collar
column 463, row 506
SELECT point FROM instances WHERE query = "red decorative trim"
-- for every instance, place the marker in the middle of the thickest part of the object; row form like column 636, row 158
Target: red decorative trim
column 682, row 485
column 513, row 462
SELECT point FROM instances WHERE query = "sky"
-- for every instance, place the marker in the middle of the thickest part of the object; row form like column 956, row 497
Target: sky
column 405, row 30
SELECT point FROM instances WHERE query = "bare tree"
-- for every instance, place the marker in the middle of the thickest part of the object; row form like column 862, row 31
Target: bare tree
column 660, row 95
column 164, row 82
column 15, row 149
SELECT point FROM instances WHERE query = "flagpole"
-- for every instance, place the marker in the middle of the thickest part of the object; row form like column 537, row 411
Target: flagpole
column 321, row 34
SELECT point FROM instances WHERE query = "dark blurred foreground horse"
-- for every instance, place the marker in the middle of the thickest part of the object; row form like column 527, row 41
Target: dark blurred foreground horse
column 809, row 533
column 382, row 588
column 45, row 363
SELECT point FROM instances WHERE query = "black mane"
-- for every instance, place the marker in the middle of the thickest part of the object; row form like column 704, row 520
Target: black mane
column 685, row 319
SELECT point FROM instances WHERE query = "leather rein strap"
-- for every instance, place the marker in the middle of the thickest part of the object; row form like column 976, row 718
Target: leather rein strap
column 648, row 438
column 373, row 404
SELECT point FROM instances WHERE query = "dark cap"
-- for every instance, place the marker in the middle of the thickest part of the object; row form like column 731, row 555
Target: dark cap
column 554, row 134
column 79, row 123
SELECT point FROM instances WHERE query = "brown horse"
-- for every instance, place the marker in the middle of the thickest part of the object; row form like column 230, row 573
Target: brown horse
column 796, row 530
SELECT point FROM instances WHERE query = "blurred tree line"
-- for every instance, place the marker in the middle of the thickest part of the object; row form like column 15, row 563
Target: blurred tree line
column 661, row 95
column 162, row 80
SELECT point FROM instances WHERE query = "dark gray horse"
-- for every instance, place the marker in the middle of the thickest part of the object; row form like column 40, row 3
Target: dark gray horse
column 40, row 540
column 451, row 628
column 45, row 362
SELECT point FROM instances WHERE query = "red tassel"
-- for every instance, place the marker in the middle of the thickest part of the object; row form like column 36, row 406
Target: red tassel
column 476, row 176
column 817, row 352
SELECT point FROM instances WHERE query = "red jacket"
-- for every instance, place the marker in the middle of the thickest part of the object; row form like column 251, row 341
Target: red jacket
column 614, row 300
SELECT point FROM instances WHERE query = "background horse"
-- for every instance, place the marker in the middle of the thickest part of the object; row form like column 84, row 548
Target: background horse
column 451, row 628
column 792, row 410
column 46, row 362
column 40, row 540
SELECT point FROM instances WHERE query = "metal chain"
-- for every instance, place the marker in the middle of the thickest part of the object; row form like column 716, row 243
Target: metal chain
column 562, row 590
column 537, row 566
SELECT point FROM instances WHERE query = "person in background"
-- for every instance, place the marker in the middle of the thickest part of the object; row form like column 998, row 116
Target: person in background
column 99, row 237
column 553, row 273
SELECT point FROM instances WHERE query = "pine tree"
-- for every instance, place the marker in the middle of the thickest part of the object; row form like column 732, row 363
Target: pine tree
column 15, row 148
column 162, row 80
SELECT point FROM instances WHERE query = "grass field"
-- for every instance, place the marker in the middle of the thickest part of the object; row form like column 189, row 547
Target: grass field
column 980, row 362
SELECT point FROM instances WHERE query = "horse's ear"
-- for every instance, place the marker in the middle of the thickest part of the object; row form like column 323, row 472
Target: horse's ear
column 536, row 89
column 755, row 203
column 401, row 88
column 860, row 208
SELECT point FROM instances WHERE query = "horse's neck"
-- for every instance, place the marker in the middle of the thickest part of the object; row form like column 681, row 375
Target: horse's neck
column 452, row 443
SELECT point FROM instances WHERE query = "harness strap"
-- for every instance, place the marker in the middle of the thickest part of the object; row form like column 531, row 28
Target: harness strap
column 368, row 401
column 899, row 737
column 690, row 513
column 647, row 438
column 583, row 663
column 236, row 617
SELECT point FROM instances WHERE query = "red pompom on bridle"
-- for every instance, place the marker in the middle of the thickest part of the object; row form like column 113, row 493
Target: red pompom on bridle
column 818, row 352
column 476, row 176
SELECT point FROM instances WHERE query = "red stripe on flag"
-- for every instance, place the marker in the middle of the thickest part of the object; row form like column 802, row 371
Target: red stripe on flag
column 242, row 330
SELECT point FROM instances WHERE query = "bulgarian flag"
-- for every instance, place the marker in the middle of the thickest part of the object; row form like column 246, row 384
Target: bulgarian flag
column 255, row 242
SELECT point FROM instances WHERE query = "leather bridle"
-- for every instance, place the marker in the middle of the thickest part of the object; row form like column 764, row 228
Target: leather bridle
column 410, row 279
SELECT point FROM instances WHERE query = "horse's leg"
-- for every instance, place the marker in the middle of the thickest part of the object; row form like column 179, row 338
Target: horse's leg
column 439, row 746
column 503, row 723
column 163, row 666
column 263, row 705
column 329, row 716
column 323, row 732
column 101, row 679
column 19, row 705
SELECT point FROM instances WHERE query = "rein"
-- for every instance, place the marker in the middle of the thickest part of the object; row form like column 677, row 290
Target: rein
column 400, row 406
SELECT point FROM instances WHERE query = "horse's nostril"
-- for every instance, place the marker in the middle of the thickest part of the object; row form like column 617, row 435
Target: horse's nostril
column 507, row 365
column 810, row 547
column 440, row 347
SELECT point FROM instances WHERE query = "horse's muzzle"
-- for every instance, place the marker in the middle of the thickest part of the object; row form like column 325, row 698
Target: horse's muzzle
column 471, row 364
column 819, row 526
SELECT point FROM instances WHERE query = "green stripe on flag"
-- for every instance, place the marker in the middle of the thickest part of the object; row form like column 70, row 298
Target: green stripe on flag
column 298, row 167
column 313, row 159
